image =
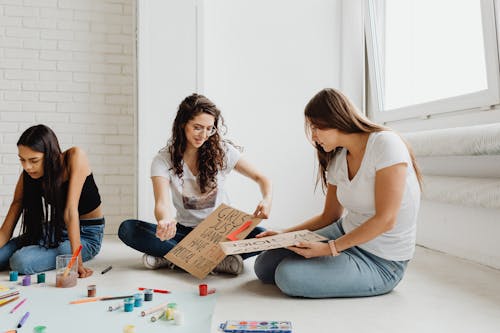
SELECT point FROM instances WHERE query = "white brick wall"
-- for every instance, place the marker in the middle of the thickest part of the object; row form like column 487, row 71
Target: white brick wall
column 70, row 64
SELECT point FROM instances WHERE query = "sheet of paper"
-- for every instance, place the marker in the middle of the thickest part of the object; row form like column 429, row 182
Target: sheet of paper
column 199, row 252
column 49, row 306
column 270, row 242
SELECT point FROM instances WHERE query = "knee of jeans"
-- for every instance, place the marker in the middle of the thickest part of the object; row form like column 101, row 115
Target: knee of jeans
column 287, row 278
column 125, row 229
column 19, row 263
column 262, row 270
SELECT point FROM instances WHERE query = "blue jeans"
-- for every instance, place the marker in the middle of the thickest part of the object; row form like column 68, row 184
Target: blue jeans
column 141, row 236
column 33, row 259
column 354, row 273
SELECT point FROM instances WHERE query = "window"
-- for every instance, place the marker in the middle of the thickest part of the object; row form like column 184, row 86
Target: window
column 431, row 56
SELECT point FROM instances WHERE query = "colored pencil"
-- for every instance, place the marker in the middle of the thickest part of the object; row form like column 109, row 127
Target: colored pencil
column 72, row 261
column 5, row 301
column 18, row 305
column 154, row 309
column 161, row 291
column 9, row 294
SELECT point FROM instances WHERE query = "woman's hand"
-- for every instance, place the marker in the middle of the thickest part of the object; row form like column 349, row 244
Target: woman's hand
column 267, row 233
column 84, row 272
column 263, row 209
column 166, row 229
column 311, row 249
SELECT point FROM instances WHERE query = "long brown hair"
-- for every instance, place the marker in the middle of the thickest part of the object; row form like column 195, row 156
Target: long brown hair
column 331, row 109
column 211, row 155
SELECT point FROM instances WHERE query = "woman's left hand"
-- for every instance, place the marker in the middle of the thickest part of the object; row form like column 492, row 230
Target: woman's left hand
column 84, row 272
column 263, row 209
column 311, row 249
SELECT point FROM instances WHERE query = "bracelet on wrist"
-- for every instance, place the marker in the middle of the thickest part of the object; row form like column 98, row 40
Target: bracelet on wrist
column 333, row 248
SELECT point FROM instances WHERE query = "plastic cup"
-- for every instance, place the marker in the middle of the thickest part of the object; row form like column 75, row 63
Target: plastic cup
column 70, row 279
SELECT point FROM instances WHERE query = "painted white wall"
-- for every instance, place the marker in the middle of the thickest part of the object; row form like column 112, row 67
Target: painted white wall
column 264, row 61
column 352, row 48
column 261, row 63
column 167, row 72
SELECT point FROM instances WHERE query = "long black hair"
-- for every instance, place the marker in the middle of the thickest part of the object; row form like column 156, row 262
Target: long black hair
column 43, row 202
column 211, row 156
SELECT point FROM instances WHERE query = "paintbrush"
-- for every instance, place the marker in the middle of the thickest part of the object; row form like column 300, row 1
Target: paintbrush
column 95, row 299
column 72, row 261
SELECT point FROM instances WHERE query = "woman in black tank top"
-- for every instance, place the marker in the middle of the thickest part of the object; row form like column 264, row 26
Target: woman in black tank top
column 60, row 205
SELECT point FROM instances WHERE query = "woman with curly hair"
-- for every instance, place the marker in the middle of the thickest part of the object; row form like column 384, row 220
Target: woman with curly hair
column 191, row 171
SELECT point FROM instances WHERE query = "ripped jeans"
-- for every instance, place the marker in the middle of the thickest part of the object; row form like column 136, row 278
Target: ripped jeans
column 33, row 259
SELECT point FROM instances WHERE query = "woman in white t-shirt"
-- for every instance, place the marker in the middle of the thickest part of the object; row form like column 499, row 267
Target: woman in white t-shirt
column 372, row 200
column 191, row 172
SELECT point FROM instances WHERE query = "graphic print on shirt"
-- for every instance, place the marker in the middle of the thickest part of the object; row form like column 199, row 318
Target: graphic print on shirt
column 192, row 198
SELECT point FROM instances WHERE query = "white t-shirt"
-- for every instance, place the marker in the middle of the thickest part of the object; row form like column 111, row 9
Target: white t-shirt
column 383, row 149
column 193, row 206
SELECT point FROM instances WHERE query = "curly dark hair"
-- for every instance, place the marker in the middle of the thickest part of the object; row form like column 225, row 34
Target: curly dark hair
column 211, row 155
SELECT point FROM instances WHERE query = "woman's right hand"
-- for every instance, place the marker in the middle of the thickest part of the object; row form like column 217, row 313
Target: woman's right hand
column 267, row 233
column 166, row 229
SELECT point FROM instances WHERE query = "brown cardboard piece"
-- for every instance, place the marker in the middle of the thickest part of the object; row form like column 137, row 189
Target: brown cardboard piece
column 199, row 252
column 270, row 242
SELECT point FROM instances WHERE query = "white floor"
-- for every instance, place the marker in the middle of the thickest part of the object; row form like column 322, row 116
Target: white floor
column 439, row 293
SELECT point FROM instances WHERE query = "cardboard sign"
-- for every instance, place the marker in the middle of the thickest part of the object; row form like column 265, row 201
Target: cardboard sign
column 270, row 242
column 199, row 252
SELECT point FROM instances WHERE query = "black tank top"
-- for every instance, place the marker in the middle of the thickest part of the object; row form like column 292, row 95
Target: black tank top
column 89, row 198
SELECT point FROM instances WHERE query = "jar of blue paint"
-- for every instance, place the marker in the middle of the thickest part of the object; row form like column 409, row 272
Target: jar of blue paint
column 148, row 295
column 128, row 304
column 13, row 275
column 137, row 300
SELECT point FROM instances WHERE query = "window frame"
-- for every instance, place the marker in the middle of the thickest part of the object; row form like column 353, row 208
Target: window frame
column 483, row 99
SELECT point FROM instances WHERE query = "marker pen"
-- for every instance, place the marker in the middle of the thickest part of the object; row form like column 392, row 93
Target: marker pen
column 23, row 319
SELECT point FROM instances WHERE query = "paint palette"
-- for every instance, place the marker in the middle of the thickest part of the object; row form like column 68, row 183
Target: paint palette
column 256, row 326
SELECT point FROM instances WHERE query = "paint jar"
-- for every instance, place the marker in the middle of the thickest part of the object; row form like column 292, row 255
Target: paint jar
column 169, row 312
column 178, row 317
column 137, row 300
column 40, row 278
column 13, row 275
column 26, row 280
column 64, row 278
column 128, row 304
column 148, row 295
column 129, row 329
column 203, row 288
column 91, row 290
column 204, row 291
